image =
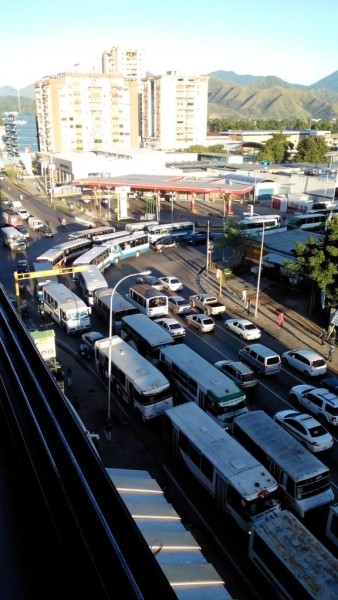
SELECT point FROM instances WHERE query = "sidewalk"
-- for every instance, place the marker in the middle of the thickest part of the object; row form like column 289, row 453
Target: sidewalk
column 299, row 330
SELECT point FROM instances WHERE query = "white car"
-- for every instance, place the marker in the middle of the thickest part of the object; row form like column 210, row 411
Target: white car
column 319, row 401
column 171, row 283
column 24, row 214
column 178, row 305
column 244, row 328
column 306, row 429
column 202, row 322
column 172, row 326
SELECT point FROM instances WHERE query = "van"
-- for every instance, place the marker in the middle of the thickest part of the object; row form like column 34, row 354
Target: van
column 262, row 359
column 35, row 223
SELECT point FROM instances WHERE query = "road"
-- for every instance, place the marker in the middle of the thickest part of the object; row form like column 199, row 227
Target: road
column 271, row 395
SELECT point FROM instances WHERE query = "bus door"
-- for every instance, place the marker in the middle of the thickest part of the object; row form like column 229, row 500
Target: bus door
column 220, row 492
column 202, row 398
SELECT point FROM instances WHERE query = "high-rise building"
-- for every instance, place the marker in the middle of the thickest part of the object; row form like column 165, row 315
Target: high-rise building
column 124, row 61
column 174, row 111
column 21, row 134
column 87, row 111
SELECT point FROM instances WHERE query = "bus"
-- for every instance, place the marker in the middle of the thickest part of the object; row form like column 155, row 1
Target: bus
column 63, row 254
column 240, row 485
column 293, row 561
column 308, row 221
column 108, row 239
column 120, row 308
column 145, row 336
column 100, row 256
column 304, row 479
column 196, row 380
column 90, row 233
column 148, row 300
column 181, row 231
column 140, row 225
column 42, row 267
column 254, row 225
column 126, row 246
column 90, row 282
column 134, row 379
column 66, row 308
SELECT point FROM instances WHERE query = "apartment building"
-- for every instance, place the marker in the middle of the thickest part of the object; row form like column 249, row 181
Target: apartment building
column 21, row 134
column 174, row 111
column 82, row 112
column 128, row 62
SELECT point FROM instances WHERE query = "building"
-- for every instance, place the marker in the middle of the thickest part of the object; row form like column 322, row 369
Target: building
column 128, row 62
column 21, row 134
column 174, row 111
column 87, row 112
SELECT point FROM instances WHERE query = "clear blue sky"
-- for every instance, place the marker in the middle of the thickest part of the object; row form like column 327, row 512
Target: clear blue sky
column 291, row 39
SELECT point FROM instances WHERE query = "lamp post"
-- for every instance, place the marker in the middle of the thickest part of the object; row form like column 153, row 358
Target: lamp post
column 259, row 271
column 111, row 333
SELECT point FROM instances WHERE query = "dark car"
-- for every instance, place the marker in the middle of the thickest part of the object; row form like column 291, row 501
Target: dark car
column 165, row 242
column 23, row 230
column 330, row 384
column 46, row 231
column 200, row 237
column 22, row 266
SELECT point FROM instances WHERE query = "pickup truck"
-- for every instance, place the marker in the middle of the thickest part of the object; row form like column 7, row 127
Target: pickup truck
column 207, row 304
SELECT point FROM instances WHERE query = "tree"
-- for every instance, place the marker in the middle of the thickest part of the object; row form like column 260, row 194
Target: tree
column 275, row 149
column 233, row 238
column 312, row 150
column 319, row 262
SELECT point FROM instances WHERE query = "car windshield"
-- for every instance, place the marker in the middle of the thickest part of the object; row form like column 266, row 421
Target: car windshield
column 207, row 321
column 180, row 302
column 250, row 327
column 175, row 326
column 318, row 363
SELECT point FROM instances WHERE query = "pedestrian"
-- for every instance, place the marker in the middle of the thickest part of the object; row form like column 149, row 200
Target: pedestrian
column 244, row 294
column 331, row 351
column 248, row 306
column 69, row 377
column 322, row 337
column 280, row 319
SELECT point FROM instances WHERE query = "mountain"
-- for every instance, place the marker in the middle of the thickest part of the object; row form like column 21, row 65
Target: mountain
column 328, row 83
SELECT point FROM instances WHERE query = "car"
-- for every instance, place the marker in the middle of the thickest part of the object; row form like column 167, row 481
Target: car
column 24, row 214
column 151, row 280
column 178, row 305
column 89, row 338
column 172, row 326
column 319, row 401
column 308, row 362
column 306, row 429
column 202, row 322
column 171, row 283
column 165, row 242
column 23, row 230
column 244, row 328
column 46, row 231
column 22, row 266
column 331, row 384
column 239, row 373
column 200, row 237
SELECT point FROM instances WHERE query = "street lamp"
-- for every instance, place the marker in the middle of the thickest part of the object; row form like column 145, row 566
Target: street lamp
column 259, row 271
column 111, row 333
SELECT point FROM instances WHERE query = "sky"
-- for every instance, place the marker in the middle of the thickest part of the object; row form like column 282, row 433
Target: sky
column 291, row 39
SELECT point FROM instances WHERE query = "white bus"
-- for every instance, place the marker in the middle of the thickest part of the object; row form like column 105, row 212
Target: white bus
column 196, row 380
column 63, row 254
column 120, row 307
column 292, row 560
column 100, row 256
column 304, row 479
column 126, row 246
column 252, row 226
column 181, row 231
column 145, row 336
column 308, row 221
column 90, row 282
column 108, row 239
column 39, row 282
column 133, row 378
column 240, row 485
column 90, row 233
column 148, row 300
column 66, row 308
column 140, row 225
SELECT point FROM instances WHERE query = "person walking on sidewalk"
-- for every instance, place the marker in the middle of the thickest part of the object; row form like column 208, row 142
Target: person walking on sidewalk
column 322, row 337
column 248, row 306
column 244, row 293
column 280, row 319
column 331, row 351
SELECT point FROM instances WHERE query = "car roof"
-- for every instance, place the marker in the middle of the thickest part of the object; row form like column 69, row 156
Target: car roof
column 93, row 335
column 306, row 352
column 168, row 320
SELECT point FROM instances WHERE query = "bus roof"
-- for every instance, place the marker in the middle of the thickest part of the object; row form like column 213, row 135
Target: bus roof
column 247, row 475
column 153, row 333
column 87, row 257
column 204, row 373
column 287, row 452
column 146, row 290
column 310, row 562
column 170, row 225
column 146, row 377
column 94, row 278
column 50, row 254
column 119, row 302
column 64, row 296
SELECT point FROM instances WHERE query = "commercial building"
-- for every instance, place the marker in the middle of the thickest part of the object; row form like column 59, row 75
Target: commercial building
column 83, row 112
column 21, row 134
column 128, row 62
column 174, row 111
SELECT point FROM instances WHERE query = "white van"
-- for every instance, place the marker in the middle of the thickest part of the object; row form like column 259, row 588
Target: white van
column 35, row 223
column 262, row 359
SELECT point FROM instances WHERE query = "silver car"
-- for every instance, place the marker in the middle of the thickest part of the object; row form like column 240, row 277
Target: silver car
column 178, row 305
column 202, row 322
column 172, row 326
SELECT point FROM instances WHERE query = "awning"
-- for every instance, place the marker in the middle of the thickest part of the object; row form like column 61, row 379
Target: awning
column 277, row 259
